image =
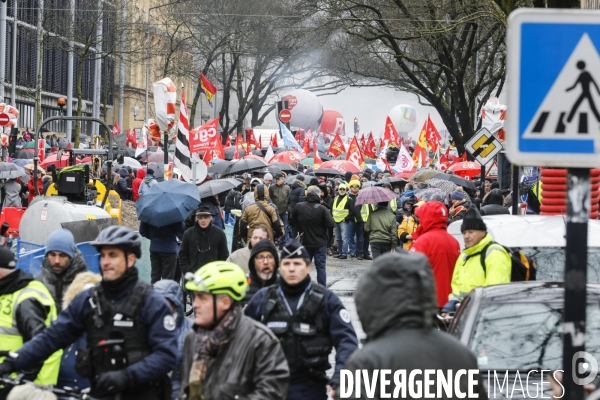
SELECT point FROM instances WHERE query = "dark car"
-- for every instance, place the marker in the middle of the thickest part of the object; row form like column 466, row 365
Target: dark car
column 515, row 330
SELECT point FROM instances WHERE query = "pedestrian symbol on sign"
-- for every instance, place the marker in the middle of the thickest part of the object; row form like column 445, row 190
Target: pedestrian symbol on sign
column 565, row 113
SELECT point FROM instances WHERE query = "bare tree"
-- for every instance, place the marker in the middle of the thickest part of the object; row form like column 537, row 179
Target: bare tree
column 449, row 52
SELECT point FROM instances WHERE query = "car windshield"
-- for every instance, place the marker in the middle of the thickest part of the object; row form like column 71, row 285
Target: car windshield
column 526, row 336
column 550, row 263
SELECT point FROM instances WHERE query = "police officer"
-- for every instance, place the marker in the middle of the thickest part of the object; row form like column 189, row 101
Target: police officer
column 26, row 309
column 309, row 320
column 131, row 341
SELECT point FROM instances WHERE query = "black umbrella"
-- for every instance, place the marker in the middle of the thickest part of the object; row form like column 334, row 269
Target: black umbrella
column 219, row 168
column 327, row 171
column 290, row 179
column 248, row 164
column 11, row 171
column 127, row 152
column 230, row 152
column 158, row 169
column 283, row 167
column 210, row 188
column 456, row 179
column 272, row 169
column 391, row 181
column 24, row 154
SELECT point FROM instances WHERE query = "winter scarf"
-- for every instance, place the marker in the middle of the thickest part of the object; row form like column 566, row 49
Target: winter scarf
column 207, row 345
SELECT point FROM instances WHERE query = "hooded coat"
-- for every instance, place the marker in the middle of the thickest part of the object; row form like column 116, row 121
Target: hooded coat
column 121, row 186
column 254, row 216
column 441, row 248
column 297, row 194
column 494, row 203
column 170, row 290
column 254, row 281
column 396, row 304
column 135, row 186
column 59, row 284
column 147, row 183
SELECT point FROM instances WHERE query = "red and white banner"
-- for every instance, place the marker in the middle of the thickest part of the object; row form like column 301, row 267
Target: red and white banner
column 205, row 137
column 404, row 161
column 41, row 149
column 142, row 143
column 165, row 98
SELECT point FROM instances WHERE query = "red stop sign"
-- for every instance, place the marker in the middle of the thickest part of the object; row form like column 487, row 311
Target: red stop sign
column 285, row 116
column 4, row 119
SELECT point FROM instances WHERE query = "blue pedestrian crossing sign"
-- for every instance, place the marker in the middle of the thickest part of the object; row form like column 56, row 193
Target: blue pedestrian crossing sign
column 553, row 84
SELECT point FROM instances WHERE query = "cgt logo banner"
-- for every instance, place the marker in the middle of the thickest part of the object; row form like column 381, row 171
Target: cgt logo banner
column 205, row 137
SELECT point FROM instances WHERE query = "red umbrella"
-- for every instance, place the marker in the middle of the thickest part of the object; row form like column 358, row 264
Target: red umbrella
column 467, row 169
column 86, row 159
column 406, row 174
column 63, row 162
column 374, row 195
column 341, row 165
column 288, row 157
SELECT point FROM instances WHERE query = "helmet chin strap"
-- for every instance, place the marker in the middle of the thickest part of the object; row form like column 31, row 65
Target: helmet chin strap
column 217, row 321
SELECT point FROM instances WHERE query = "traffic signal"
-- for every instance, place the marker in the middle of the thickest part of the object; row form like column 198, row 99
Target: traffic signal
column 356, row 127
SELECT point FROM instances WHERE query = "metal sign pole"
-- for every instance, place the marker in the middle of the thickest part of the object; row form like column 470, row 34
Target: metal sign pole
column 578, row 211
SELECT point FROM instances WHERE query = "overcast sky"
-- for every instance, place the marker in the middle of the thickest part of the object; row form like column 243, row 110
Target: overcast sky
column 371, row 106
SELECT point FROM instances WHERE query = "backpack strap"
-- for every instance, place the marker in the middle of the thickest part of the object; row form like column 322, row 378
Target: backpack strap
column 485, row 250
column 136, row 298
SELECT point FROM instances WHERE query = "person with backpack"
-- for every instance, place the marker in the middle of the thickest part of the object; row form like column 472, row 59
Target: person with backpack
column 482, row 263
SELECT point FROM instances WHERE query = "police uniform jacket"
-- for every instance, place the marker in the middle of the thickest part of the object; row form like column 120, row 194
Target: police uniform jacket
column 155, row 314
column 335, row 319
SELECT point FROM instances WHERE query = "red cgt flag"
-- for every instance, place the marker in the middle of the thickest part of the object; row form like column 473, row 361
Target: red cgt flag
column 274, row 141
column 116, row 129
column 390, row 135
column 250, row 139
column 370, row 150
column 336, row 147
column 354, row 154
column 316, row 157
column 432, row 135
column 306, row 142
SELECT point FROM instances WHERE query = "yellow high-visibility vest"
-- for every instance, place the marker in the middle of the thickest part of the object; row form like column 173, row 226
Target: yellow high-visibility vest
column 339, row 210
column 365, row 210
column 11, row 339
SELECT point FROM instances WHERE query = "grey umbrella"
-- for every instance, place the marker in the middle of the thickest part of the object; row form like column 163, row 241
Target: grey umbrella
column 210, row 188
column 11, row 171
column 283, row 167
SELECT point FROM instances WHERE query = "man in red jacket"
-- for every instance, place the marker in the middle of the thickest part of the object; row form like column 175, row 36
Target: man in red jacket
column 442, row 250
column 135, row 186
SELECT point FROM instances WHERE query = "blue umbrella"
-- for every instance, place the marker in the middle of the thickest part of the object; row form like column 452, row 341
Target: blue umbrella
column 167, row 203
column 21, row 162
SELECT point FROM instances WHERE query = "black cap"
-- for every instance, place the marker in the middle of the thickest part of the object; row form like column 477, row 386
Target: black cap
column 473, row 221
column 150, row 171
column 293, row 249
column 300, row 178
column 203, row 210
column 277, row 176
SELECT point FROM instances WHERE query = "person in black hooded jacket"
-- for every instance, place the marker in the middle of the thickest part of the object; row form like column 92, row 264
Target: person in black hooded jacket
column 493, row 203
column 396, row 304
column 262, row 267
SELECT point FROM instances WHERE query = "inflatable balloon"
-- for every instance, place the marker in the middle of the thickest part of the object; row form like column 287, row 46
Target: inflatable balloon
column 306, row 109
column 404, row 118
column 333, row 123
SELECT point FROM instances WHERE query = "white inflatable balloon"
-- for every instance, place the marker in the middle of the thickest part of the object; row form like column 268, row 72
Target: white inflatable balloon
column 404, row 118
column 306, row 109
